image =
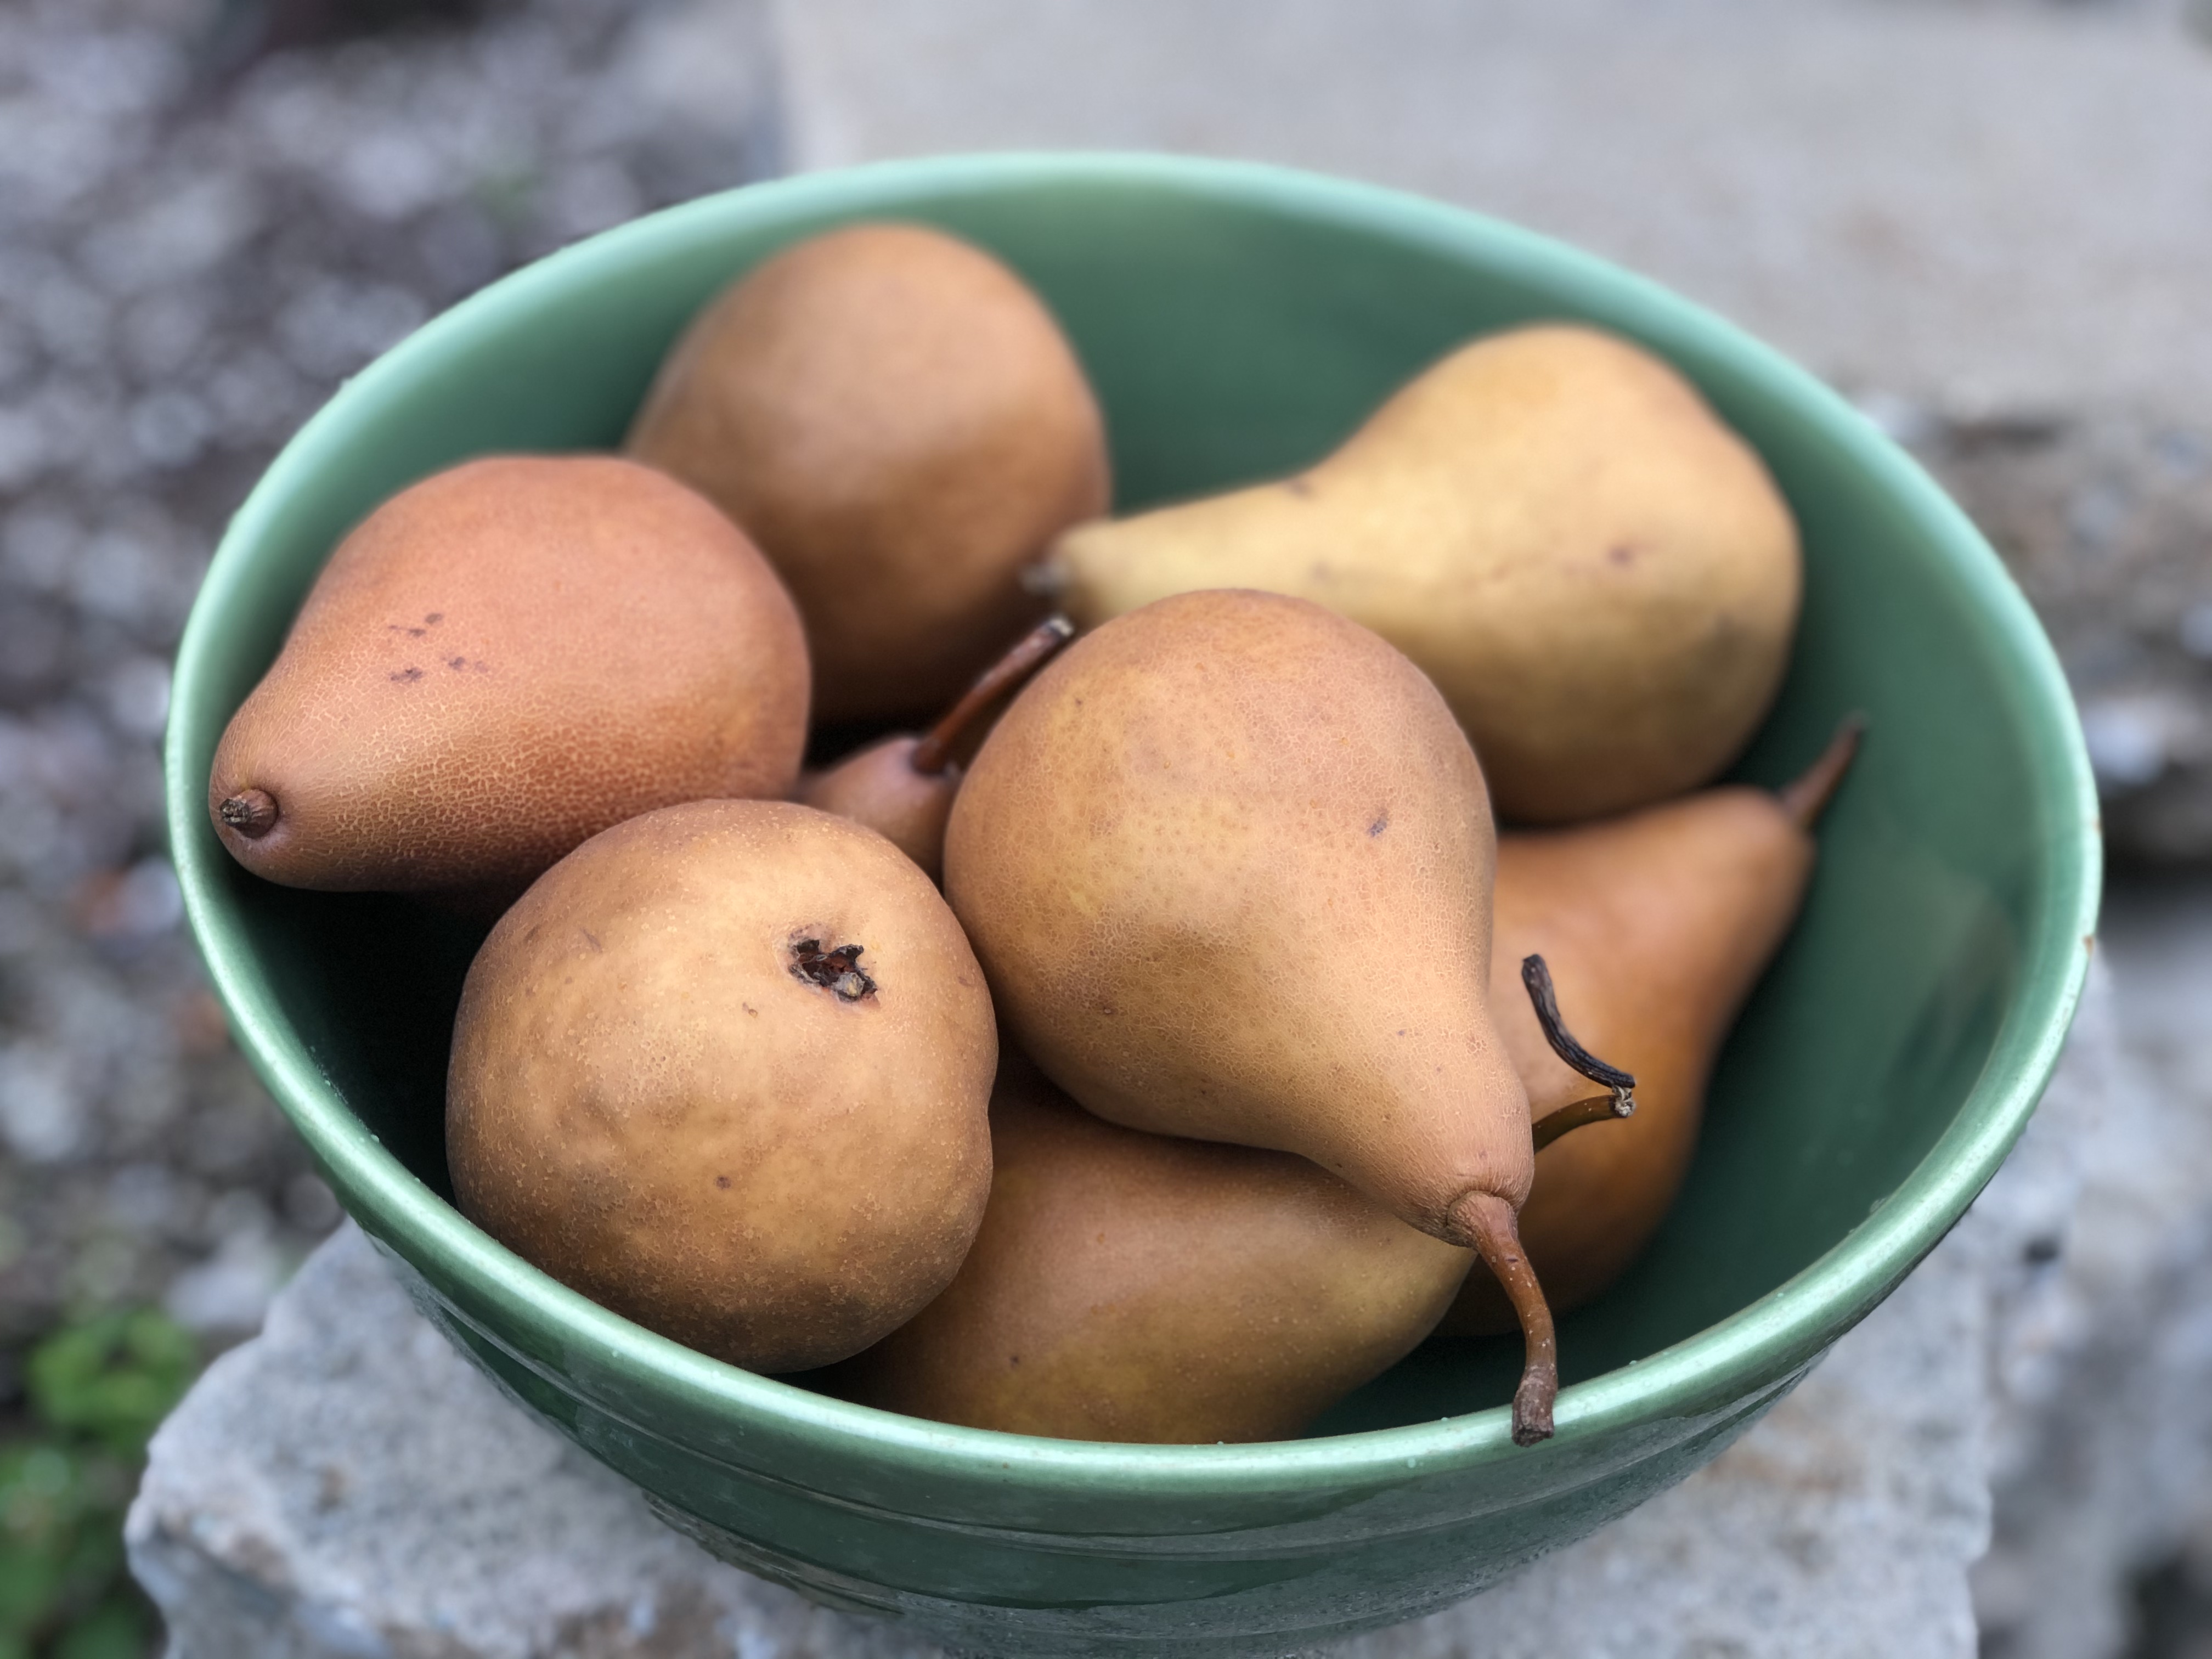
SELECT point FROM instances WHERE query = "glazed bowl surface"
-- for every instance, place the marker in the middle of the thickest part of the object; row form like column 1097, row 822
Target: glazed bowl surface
column 1237, row 321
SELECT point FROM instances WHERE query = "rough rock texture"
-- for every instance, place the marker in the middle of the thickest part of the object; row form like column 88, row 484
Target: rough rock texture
column 347, row 1486
column 2102, row 1453
column 2107, row 519
column 1982, row 220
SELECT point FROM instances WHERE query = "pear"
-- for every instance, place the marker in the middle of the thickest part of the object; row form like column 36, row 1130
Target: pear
column 1140, row 1287
column 902, row 787
column 1226, row 862
column 1656, row 925
column 501, row 661
column 898, row 421
column 1598, row 574
column 726, row 1069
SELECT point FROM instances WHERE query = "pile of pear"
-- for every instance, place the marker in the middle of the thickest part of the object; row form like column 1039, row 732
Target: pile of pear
column 1136, row 1025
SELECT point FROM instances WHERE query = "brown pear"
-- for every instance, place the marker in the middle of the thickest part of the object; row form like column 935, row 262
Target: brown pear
column 1142, row 1288
column 1656, row 925
column 501, row 661
column 900, row 423
column 726, row 1069
column 1227, row 863
column 902, row 786
column 1599, row 575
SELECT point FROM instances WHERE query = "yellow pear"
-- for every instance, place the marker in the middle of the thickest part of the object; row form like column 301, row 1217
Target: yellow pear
column 1598, row 574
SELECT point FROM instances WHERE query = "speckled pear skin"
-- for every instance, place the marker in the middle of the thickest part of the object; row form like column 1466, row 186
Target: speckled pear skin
column 1138, row 1287
column 879, row 788
column 900, row 423
column 1227, row 864
column 647, row 1103
column 1656, row 925
column 1600, row 575
column 502, row 660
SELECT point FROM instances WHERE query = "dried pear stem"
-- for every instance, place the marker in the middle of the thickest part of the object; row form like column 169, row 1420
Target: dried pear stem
column 1806, row 798
column 934, row 752
column 1536, row 975
column 1597, row 1109
column 1489, row 1220
column 250, row 812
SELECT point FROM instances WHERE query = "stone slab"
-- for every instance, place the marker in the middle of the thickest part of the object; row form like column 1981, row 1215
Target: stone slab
column 347, row 1486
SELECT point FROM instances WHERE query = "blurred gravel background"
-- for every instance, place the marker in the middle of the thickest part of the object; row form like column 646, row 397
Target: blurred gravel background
column 210, row 214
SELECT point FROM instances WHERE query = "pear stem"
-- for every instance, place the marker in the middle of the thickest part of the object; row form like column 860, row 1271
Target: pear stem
column 934, row 752
column 1488, row 1219
column 1806, row 798
column 250, row 812
column 1536, row 975
column 1597, row 1108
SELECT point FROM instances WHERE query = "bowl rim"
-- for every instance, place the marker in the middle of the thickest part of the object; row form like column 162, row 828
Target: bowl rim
column 1779, row 1332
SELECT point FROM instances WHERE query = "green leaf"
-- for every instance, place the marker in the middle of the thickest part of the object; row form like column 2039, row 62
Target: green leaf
column 113, row 1376
column 116, row 1629
column 98, row 1389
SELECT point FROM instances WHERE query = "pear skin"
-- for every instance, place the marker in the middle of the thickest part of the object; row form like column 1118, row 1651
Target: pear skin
column 1599, row 575
column 902, row 786
column 501, row 661
column 726, row 1069
column 1138, row 1287
column 1226, row 862
column 1656, row 925
column 881, row 787
column 899, row 422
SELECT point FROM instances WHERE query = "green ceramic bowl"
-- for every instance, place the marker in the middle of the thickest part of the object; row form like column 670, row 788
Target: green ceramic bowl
column 1237, row 321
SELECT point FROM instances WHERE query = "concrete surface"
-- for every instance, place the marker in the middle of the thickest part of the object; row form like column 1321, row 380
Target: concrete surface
column 1980, row 207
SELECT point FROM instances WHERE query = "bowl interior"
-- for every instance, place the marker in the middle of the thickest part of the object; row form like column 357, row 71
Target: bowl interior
column 1237, row 324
